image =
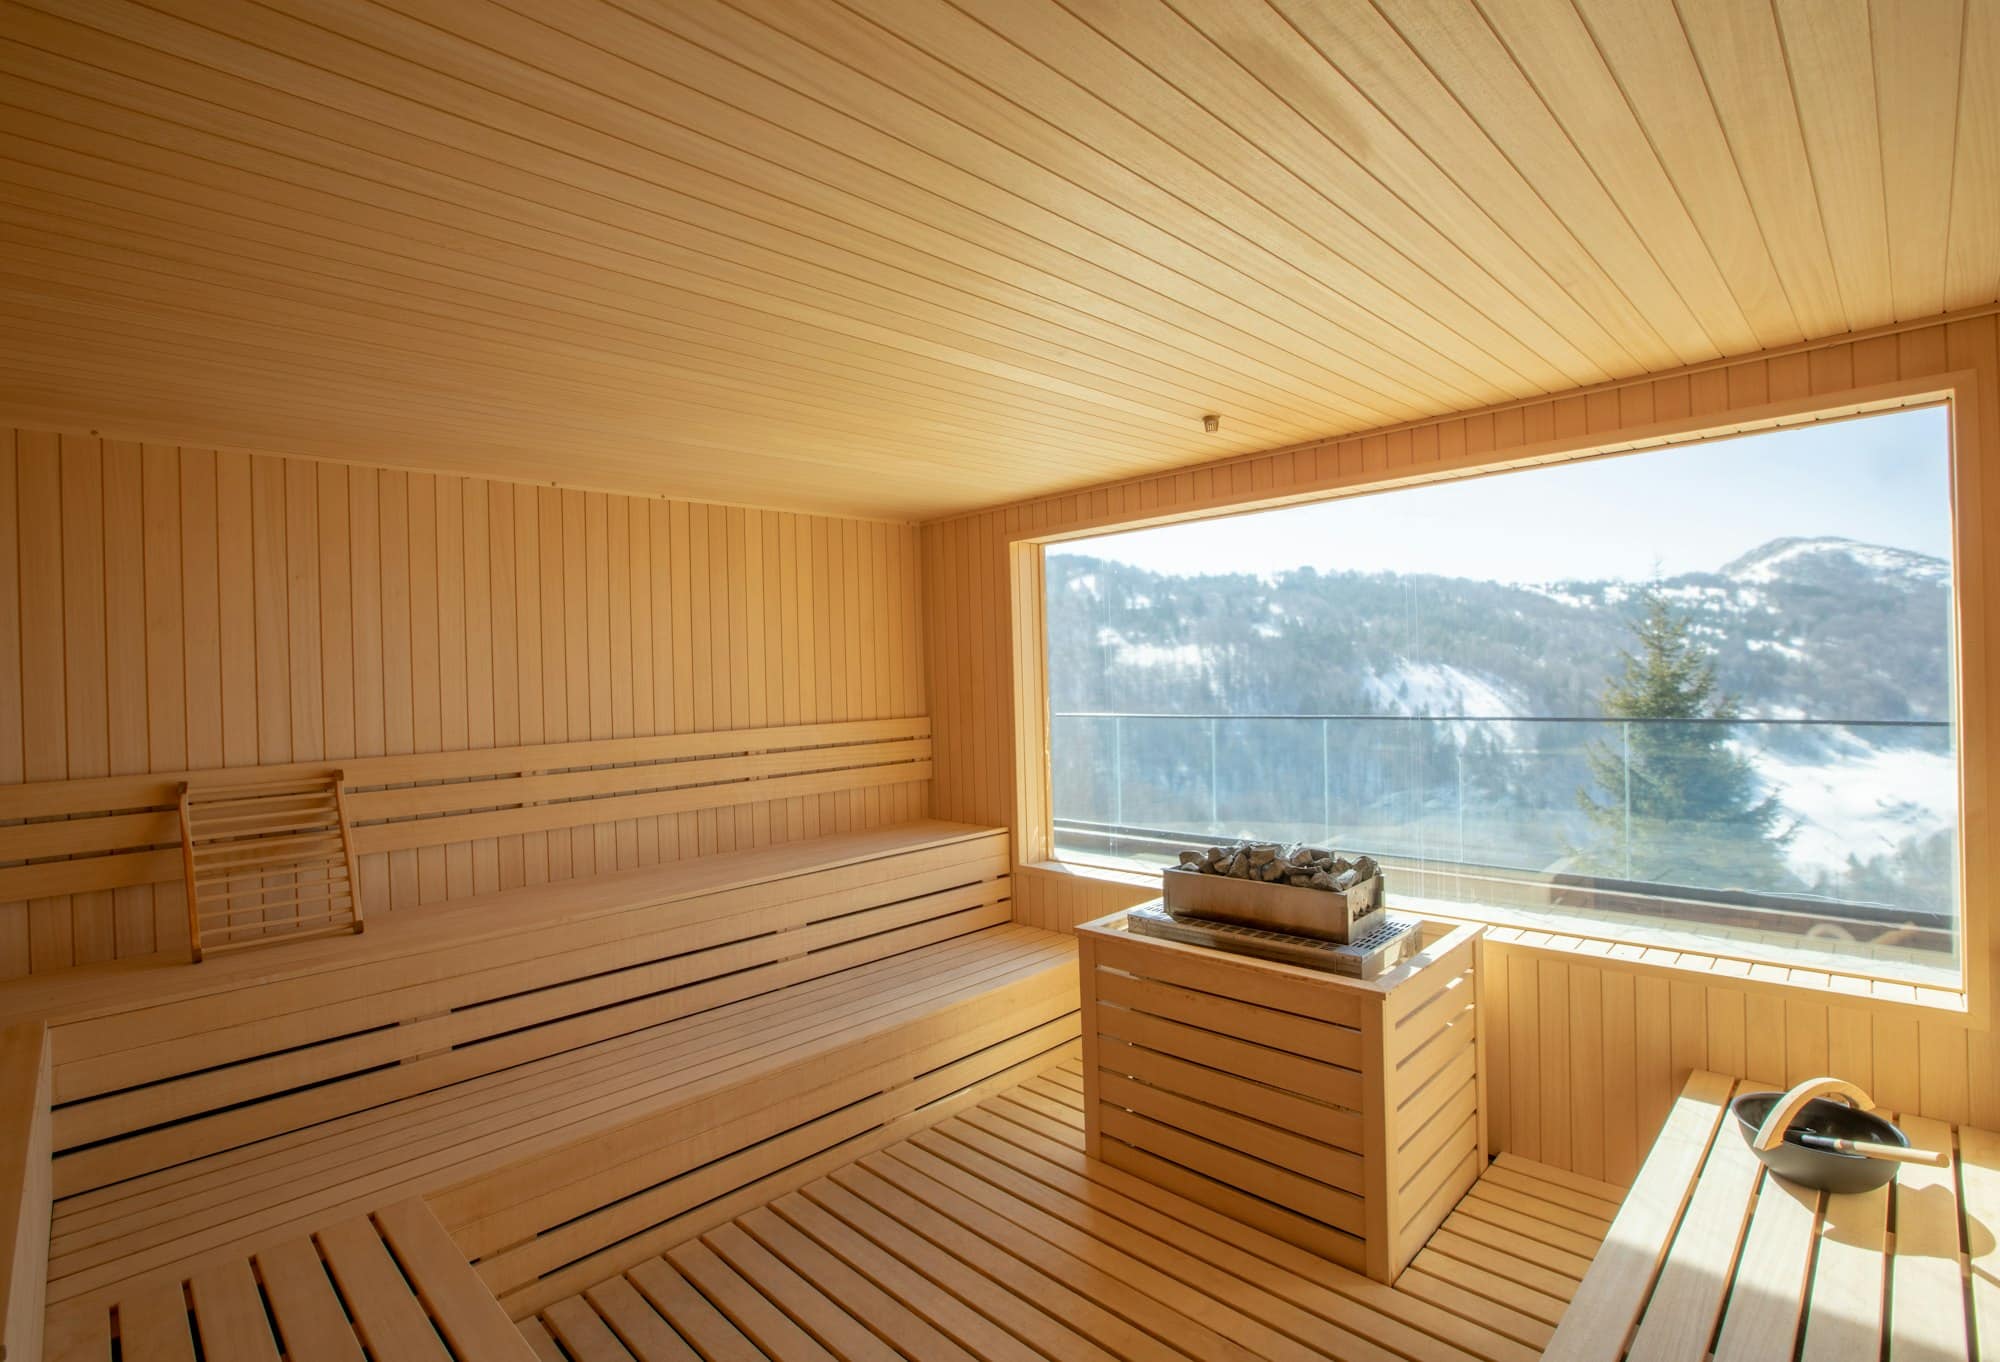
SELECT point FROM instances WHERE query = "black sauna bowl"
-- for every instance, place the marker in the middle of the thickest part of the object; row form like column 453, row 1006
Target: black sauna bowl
column 1826, row 1169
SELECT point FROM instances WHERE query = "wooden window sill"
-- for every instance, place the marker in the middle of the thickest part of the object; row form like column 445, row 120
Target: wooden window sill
column 1847, row 988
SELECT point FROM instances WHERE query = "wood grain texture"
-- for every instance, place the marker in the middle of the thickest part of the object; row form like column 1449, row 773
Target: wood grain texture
column 25, row 1189
column 390, row 1283
column 1710, row 1255
column 1622, row 1032
column 924, row 258
column 992, row 1236
column 233, row 834
column 697, row 1028
column 1340, row 1115
column 168, row 609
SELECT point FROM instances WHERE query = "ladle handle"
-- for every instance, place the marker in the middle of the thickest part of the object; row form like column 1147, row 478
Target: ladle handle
column 1772, row 1133
column 1871, row 1149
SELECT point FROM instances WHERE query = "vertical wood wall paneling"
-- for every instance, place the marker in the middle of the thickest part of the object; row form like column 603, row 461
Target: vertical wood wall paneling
column 1584, row 1057
column 504, row 624
column 167, row 608
column 132, row 921
column 87, row 734
column 365, row 587
column 16, row 949
column 44, row 699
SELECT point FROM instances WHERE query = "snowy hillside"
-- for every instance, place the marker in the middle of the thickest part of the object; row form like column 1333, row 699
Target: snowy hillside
column 1831, row 631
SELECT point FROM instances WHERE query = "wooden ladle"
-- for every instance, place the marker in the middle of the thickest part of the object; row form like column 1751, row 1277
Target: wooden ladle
column 1772, row 1132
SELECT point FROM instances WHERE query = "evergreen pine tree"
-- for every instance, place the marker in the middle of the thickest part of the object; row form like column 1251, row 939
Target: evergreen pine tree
column 1674, row 802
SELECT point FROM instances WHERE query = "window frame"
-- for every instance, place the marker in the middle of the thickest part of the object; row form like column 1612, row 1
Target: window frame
column 1957, row 391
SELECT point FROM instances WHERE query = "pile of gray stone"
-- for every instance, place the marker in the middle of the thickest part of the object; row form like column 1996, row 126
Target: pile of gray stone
column 1274, row 863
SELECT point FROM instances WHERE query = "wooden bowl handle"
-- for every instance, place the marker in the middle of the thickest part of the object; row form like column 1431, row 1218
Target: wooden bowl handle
column 1772, row 1133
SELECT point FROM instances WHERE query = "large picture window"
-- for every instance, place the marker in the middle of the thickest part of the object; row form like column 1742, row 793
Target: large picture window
column 1699, row 696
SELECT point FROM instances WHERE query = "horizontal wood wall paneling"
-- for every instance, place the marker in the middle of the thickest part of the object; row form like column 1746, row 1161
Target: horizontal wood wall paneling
column 1584, row 1054
column 166, row 609
column 790, row 257
column 22, row 801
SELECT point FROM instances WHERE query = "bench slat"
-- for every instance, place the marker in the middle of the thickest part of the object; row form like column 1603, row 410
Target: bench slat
column 154, row 1324
column 1979, row 1175
column 1926, row 1291
column 1767, row 1302
column 470, row 1320
column 310, row 1316
column 230, row 1315
column 1614, row 1293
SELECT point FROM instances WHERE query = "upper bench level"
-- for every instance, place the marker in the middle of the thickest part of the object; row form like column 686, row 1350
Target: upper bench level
column 93, row 867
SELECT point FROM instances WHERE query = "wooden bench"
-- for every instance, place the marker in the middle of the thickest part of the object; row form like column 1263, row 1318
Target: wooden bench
column 557, row 1069
column 24, row 1188
column 103, row 856
column 1711, row 1255
column 391, row 1282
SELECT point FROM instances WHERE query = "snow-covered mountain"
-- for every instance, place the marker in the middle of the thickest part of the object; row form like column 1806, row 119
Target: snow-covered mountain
column 1821, row 628
column 1796, row 557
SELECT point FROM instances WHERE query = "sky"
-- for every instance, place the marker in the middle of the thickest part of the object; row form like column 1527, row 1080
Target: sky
column 1881, row 479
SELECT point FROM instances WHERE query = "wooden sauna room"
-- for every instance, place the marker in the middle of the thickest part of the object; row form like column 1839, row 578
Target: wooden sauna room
column 992, row 680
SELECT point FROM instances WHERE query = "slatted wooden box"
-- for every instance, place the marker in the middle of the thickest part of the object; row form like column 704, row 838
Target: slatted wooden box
column 1344, row 1115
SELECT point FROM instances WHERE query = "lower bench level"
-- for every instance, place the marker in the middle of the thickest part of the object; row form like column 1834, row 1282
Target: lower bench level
column 541, row 1171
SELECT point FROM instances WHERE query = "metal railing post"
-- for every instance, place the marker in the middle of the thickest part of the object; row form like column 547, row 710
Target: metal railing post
column 1325, row 781
column 1214, row 778
column 1625, row 741
column 1117, row 774
column 1461, row 801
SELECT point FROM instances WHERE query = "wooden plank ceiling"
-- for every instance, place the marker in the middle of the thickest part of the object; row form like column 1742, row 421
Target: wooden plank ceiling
column 906, row 257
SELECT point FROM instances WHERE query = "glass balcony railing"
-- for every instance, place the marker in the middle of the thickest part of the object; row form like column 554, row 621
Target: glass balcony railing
column 1802, row 839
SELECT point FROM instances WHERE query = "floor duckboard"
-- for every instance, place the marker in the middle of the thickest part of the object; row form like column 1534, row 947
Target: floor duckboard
column 991, row 1237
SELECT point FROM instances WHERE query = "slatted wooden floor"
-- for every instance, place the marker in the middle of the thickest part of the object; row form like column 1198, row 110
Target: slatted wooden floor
column 389, row 1286
column 991, row 1236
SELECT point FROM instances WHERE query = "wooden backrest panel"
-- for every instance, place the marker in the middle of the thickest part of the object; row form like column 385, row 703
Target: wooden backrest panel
column 24, row 1189
column 157, row 1082
column 267, row 862
column 79, row 836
